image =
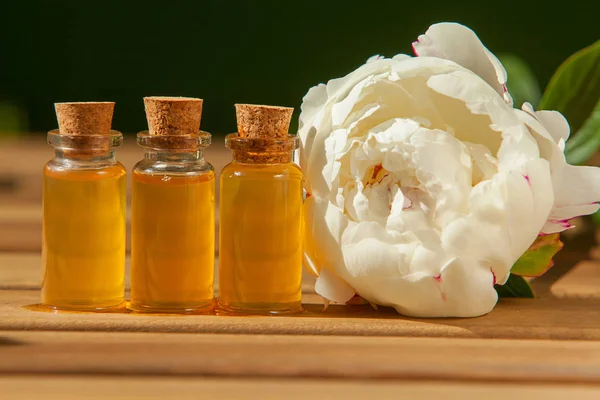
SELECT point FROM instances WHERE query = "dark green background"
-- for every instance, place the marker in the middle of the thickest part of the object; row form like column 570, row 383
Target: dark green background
column 268, row 52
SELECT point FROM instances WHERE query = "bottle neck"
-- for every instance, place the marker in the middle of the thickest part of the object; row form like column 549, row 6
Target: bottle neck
column 170, row 156
column 247, row 157
column 85, row 158
column 261, row 150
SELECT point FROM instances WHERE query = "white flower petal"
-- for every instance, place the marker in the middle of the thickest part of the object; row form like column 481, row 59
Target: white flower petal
column 501, row 75
column 401, row 57
column 374, row 58
column 513, row 206
column 560, row 217
column 460, row 44
column 444, row 170
column 315, row 124
column 469, row 105
column 553, row 121
column 485, row 166
column 546, row 143
column 461, row 289
column 579, row 186
column 342, row 109
column 576, row 189
column 332, row 287
column 566, row 213
column 323, row 236
column 555, row 226
column 517, row 144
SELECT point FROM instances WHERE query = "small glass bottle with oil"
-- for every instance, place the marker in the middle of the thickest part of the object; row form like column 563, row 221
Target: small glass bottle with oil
column 83, row 248
column 260, row 241
column 173, row 205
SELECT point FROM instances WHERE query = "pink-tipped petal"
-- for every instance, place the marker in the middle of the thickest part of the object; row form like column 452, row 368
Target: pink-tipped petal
column 414, row 49
column 527, row 179
column 556, row 226
column 374, row 58
column 560, row 217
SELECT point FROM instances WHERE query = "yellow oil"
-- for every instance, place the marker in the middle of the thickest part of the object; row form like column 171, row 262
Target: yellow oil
column 260, row 246
column 173, row 243
column 84, row 238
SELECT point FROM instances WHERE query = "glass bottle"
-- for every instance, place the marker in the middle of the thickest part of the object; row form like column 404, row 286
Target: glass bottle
column 173, row 204
column 83, row 248
column 260, row 241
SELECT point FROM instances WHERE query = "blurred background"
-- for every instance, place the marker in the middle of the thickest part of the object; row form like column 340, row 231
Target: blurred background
column 268, row 52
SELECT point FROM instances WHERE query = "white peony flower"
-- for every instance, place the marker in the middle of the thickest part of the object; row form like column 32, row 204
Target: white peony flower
column 425, row 185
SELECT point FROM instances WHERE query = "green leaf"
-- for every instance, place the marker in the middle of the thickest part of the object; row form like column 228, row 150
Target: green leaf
column 574, row 89
column 586, row 142
column 522, row 84
column 596, row 218
column 538, row 258
column 515, row 286
column 13, row 119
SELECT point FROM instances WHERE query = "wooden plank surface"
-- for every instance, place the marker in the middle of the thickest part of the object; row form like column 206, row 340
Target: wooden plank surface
column 35, row 387
column 559, row 319
column 20, row 270
column 288, row 356
column 543, row 318
column 582, row 281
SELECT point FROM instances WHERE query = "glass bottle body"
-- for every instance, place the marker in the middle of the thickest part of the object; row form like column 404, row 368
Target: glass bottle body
column 260, row 246
column 173, row 229
column 83, row 247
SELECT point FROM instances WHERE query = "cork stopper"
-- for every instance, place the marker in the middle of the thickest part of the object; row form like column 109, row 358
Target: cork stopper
column 173, row 115
column 84, row 118
column 267, row 122
column 262, row 136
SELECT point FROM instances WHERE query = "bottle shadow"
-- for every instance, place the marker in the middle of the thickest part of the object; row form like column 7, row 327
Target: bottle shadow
column 8, row 341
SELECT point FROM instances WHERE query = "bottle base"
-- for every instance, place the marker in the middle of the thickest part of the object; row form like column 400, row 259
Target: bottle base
column 266, row 309
column 207, row 308
column 118, row 308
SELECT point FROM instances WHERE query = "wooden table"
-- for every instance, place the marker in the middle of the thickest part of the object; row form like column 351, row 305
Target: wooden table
column 546, row 348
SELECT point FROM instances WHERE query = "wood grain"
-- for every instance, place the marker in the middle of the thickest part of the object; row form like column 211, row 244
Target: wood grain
column 20, row 270
column 182, row 388
column 559, row 319
column 307, row 356
column 581, row 281
column 21, row 227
